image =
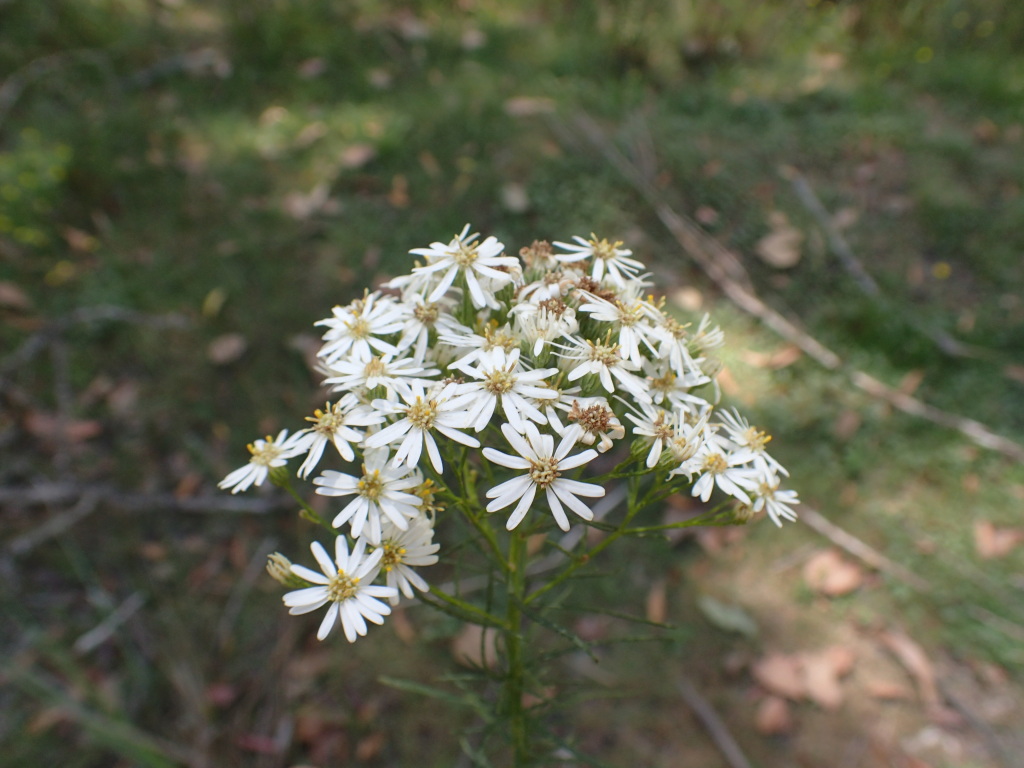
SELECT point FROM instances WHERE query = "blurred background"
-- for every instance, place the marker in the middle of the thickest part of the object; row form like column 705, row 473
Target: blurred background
column 186, row 187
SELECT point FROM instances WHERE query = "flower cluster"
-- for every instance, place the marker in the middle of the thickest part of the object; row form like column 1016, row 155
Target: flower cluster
column 546, row 361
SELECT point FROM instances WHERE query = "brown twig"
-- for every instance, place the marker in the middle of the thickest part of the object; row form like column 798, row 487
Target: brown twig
column 99, row 634
column 41, row 339
column 946, row 343
column 836, row 242
column 714, row 725
column 88, row 500
column 854, row 546
column 709, row 254
column 89, row 496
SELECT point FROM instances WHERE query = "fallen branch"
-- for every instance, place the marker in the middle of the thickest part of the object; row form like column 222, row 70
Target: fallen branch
column 946, row 343
column 708, row 254
column 854, row 546
column 56, row 525
column 41, row 339
column 90, row 496
column 99, row 634
column 714, row 725
column 836, row 242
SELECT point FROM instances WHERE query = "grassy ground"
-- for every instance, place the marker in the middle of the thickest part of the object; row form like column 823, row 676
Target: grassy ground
column 224, row 172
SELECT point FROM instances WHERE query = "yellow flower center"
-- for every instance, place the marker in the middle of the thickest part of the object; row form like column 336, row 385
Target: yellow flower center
column 376, row 367
column 393, row 555
column 341, row 587
column 371, row 486
column 544, row 471
column 499, row 382
column 426, row 313
column 358, row 328
column 326, row 422
column 605, row 354
column 755, row 440
column 465, row 256
column 264, row 455
column 422, row 413
column 602, row 248
column 715, row 463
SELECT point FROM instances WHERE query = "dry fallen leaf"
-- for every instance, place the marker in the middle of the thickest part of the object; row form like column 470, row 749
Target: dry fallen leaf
column 300, row 206
column 357, row 155
column 656, row 607
column 775, row 360
column 402, row 627
column 829, row 574
column 476, row 647
column 991, row 542
column 773, row 717
column 12, row 297
column 369, row 747
column 821, row 677
column 399, row 194
column 525, row 106
column 47, row 426
column 781, row 674
column 916, row 662
column 911, row 381
column 846, row 424
column 226, row 348
column 780, row 248
column 887, row 690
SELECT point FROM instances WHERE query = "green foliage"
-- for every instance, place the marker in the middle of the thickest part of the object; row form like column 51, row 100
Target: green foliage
column 163, row 157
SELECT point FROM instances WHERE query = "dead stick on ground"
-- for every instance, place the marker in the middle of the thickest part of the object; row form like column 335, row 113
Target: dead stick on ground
column 946, row 343
column 858, row 548
column 55, row 525
column 715, row 726
column 705, row 250
column 836, row 242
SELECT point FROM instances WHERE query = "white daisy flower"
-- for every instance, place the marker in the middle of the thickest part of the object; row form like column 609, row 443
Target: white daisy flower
column 725, row 470
column 777, row 503
column 632, row 317
column 673, row 344
column 355, row 329
column 665, row 384
column 362, row 376
column 753, row 441
column 607, row 258
column 346, row 583
column 334, row 425
column 708, row 337
column 539, row 323
column 380, row 492
column 591, row 421
column 656, row 425
column 605, row 360
column 422, row 413
column 470, row 347
column 267, row 453
column 502, row 379
column 404, row 550
column 474, row 260
column 545, row 465
column 420, row 318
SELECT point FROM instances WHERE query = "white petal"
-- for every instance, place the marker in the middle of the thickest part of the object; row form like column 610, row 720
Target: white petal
column 328, row 623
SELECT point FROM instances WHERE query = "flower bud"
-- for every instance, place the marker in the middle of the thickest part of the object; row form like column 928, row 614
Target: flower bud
column 280, row 569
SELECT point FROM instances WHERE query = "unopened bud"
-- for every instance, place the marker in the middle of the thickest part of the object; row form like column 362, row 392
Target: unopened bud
column 280, row 569
column 742, row 513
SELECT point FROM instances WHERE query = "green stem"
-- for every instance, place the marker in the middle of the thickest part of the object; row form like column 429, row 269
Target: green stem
column 514, row 680
column 307, row 511
column 632, row 508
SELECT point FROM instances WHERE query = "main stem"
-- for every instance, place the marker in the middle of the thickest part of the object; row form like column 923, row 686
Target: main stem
column 514, row 648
